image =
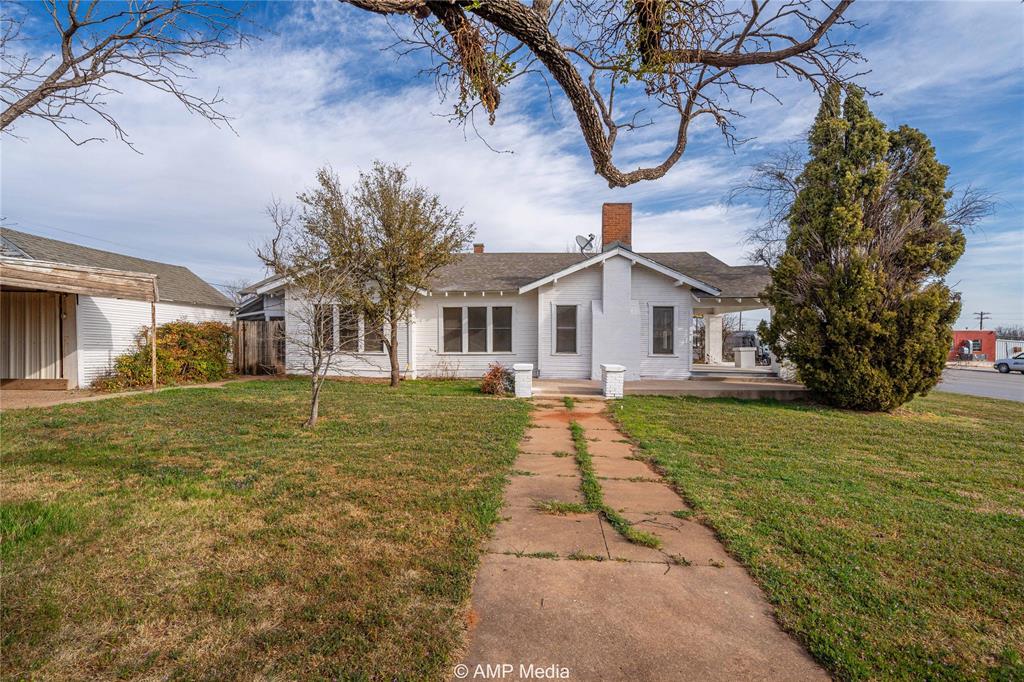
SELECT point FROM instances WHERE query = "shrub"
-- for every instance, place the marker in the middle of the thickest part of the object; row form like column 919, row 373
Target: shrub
column 186, row 353
column 499, row 380
column 861, row 308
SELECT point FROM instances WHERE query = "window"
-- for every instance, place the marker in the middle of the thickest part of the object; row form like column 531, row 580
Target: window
column 373, row 338
column 348, row 329
column 323, row 321
column 476, row 329
column 477, row 319
column 501, row 329
column 662, row 330
column 975, row 345
column 565, row 329
column 453, row 330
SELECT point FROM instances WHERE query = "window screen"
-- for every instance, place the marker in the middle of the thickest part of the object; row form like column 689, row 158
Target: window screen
column 323, row 315
column 453, row 330
column 373, row 338
column 477, row 318
column 348, row 329
column 501, row 329
column 565, row 329
column 662, row 321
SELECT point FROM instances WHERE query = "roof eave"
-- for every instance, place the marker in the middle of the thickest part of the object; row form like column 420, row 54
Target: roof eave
column 625, row 253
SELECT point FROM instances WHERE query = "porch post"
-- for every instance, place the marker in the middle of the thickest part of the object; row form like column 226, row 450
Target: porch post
column 152, row 343
column 713, row 339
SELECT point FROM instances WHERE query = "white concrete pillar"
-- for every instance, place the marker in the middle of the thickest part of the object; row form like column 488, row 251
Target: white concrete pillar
column 613, row 380
column 713, row 339
column 524, row 379
column 744, row 357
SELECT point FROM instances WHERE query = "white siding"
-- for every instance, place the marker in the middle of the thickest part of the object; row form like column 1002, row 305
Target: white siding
column 579, row 288
column 347, row 364
column 108, row 326
column 616, row 321
column 651, row 288
column 432, row 361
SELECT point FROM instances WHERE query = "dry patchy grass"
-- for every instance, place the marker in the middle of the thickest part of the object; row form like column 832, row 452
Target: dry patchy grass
column 202, row 534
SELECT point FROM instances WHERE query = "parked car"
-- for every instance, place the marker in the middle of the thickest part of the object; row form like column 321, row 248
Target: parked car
column 1013, row 363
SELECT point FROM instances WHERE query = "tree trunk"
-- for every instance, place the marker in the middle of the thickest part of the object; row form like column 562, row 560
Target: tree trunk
column 393, row 352
column 314, row 403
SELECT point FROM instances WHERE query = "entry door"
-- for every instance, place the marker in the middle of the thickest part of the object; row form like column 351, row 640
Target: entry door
column 29, row 335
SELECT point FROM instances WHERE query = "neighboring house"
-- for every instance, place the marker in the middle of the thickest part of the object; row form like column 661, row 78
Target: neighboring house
column 982, row 343
column 565, row 313
column 67, row 311
column 253, row 306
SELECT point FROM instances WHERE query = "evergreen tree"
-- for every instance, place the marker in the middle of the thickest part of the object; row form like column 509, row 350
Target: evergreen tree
column 860, row 305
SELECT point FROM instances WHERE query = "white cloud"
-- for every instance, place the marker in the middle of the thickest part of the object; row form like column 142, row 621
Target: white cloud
column 303, row 98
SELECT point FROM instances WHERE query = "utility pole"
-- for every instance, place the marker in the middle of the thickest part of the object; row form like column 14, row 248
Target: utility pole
column 981, row 318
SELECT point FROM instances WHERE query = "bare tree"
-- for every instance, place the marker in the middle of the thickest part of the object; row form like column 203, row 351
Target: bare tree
column 774, row 184
column 103, row 45
column 298, row 253
column 1010, row 331
column 616, row 60
column 392, row 235
column 235, row 288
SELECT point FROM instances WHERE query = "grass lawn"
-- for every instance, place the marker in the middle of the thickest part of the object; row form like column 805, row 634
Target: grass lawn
column 203, row 534
column 891, row 545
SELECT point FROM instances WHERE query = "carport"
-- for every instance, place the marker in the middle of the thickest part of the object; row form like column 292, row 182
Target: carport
column 38, row 305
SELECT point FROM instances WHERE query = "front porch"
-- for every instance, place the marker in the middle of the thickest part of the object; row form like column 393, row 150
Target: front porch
column 754, row 385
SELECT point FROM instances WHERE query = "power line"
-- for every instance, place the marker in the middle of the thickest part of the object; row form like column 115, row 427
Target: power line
column 981, row 315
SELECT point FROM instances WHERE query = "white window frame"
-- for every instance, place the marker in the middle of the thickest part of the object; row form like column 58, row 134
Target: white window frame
column 651, row 305
column 554, row 328
column 360, row 331
column 465, row 328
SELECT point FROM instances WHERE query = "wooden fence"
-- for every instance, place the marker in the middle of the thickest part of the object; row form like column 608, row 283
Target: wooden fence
column 259, row 347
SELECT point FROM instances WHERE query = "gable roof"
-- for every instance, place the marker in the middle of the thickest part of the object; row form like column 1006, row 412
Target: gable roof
column 618, row 249
column 174, row 282
column 511, row 271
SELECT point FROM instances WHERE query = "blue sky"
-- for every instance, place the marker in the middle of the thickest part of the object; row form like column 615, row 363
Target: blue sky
column 317, row 89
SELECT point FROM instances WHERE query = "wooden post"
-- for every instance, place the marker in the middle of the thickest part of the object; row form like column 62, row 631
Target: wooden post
column 152, row 343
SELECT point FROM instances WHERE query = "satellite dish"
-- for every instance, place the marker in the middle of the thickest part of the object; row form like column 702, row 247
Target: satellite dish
column 585, row 243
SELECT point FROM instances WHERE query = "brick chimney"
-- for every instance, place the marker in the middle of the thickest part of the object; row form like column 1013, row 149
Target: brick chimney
column 478, row 248
column 616, row 225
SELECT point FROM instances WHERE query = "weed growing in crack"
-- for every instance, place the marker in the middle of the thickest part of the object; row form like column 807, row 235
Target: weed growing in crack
column 594, row 497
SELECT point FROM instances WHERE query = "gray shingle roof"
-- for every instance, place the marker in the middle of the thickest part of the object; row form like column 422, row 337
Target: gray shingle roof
column 174, row 282
column 505, row 271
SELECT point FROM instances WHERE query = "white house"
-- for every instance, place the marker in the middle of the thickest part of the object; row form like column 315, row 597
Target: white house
column 565, row 313
column 67, row 311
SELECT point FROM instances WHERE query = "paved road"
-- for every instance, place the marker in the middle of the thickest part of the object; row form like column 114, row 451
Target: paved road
column 988, row 384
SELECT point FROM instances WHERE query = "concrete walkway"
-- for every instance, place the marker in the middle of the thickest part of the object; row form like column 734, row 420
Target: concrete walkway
column 23, row 399
column 619, row 611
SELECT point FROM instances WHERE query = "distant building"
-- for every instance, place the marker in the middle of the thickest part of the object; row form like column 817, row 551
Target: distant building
column 982, row 343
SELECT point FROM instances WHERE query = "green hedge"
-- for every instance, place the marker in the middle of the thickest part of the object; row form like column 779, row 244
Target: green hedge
column 186, row 353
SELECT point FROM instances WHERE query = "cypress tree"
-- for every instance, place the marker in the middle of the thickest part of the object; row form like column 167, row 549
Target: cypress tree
column 859, row 303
